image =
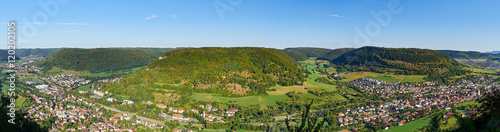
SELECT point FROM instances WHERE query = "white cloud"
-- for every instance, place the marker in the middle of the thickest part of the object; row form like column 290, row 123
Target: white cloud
column 151, row 17
column 333, row 15
column 338, row 16
column 174, row 16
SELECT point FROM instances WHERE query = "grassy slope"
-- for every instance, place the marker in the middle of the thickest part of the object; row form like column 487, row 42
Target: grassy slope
column 384, row 77
column 269, row 100
column 412, row 126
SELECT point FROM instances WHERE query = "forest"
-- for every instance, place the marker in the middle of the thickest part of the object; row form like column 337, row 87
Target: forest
column 97, row 60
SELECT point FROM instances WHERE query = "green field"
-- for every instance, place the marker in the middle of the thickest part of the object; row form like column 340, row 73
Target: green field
column 383, row 77
column 311, row 84
column 20, row 101
column 466, row 103
column 452, row 121
column 84, row 87
column 5, row 88
column 413, row 125
column 478, row 70
column 269, row 100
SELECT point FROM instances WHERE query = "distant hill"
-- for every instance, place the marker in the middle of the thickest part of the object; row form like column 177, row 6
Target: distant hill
column 225, row 71
column 4, row 56
column 310, row 52
column 400, row 61
column 296, row 56
column 36, row 52
column 494, row 52
column 98, row 60
column 468, row 54
column 335, row 53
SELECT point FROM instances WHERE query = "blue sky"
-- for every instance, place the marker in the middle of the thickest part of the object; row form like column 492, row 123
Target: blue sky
column 431, row 24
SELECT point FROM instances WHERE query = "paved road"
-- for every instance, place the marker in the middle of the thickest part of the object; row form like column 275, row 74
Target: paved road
column 130, row 114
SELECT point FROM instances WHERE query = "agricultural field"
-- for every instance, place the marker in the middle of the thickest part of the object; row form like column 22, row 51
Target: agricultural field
column 269, row 100
column 451, row 121
column 84, row 87
column 478, row 70
column 412, row 126
column 384, row 77
column 282, row 90
column 311, row 84
column 466, row 103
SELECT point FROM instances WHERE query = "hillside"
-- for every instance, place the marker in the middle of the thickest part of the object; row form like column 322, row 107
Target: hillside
column 407, row 61
column 468, row 54
column 36, row 52
column 310, row 52
column 97, row 60
column 335, row 53
column 4, row 56
column 225, row 71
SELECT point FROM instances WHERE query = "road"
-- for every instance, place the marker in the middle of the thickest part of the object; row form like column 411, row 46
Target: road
column 130, row 114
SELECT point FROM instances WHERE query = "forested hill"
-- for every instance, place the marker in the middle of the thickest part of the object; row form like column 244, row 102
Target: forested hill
column 335, row 53
column 400, row 61
column 4, row 56
column 36, row 52
column 225, row 71
column 97, row 60
column 310, row 52
column 469, row 54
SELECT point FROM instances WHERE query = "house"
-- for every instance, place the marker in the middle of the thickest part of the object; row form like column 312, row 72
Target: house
column 161, row 106
column 209, row 118
column 110, row 99
column 209, row 106
column 195, row 111
column 128, row 102
column 401, row 123
column 177, row 116
column 231, row 112
column 341, row 114
column 180, row 111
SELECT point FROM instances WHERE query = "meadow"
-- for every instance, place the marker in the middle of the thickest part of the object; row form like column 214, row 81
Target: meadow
column 412, row 126
column 384, row 77
column 269, row 100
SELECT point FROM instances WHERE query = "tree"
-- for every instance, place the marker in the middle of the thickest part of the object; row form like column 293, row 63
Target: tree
column 134, row 118
column 308, row 124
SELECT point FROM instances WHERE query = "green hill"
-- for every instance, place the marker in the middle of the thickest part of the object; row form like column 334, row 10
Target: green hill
column 335, row 53
column 4, row 56
column 409, row 61
column 310, row 52
column 225, row 71
column 468, row 54
column 97, row 60
column 36, row 52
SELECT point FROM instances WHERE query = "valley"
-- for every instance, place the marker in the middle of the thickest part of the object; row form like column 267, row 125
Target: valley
column 248, row 89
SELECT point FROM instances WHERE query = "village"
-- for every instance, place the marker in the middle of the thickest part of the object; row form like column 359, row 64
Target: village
column 421, row 99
